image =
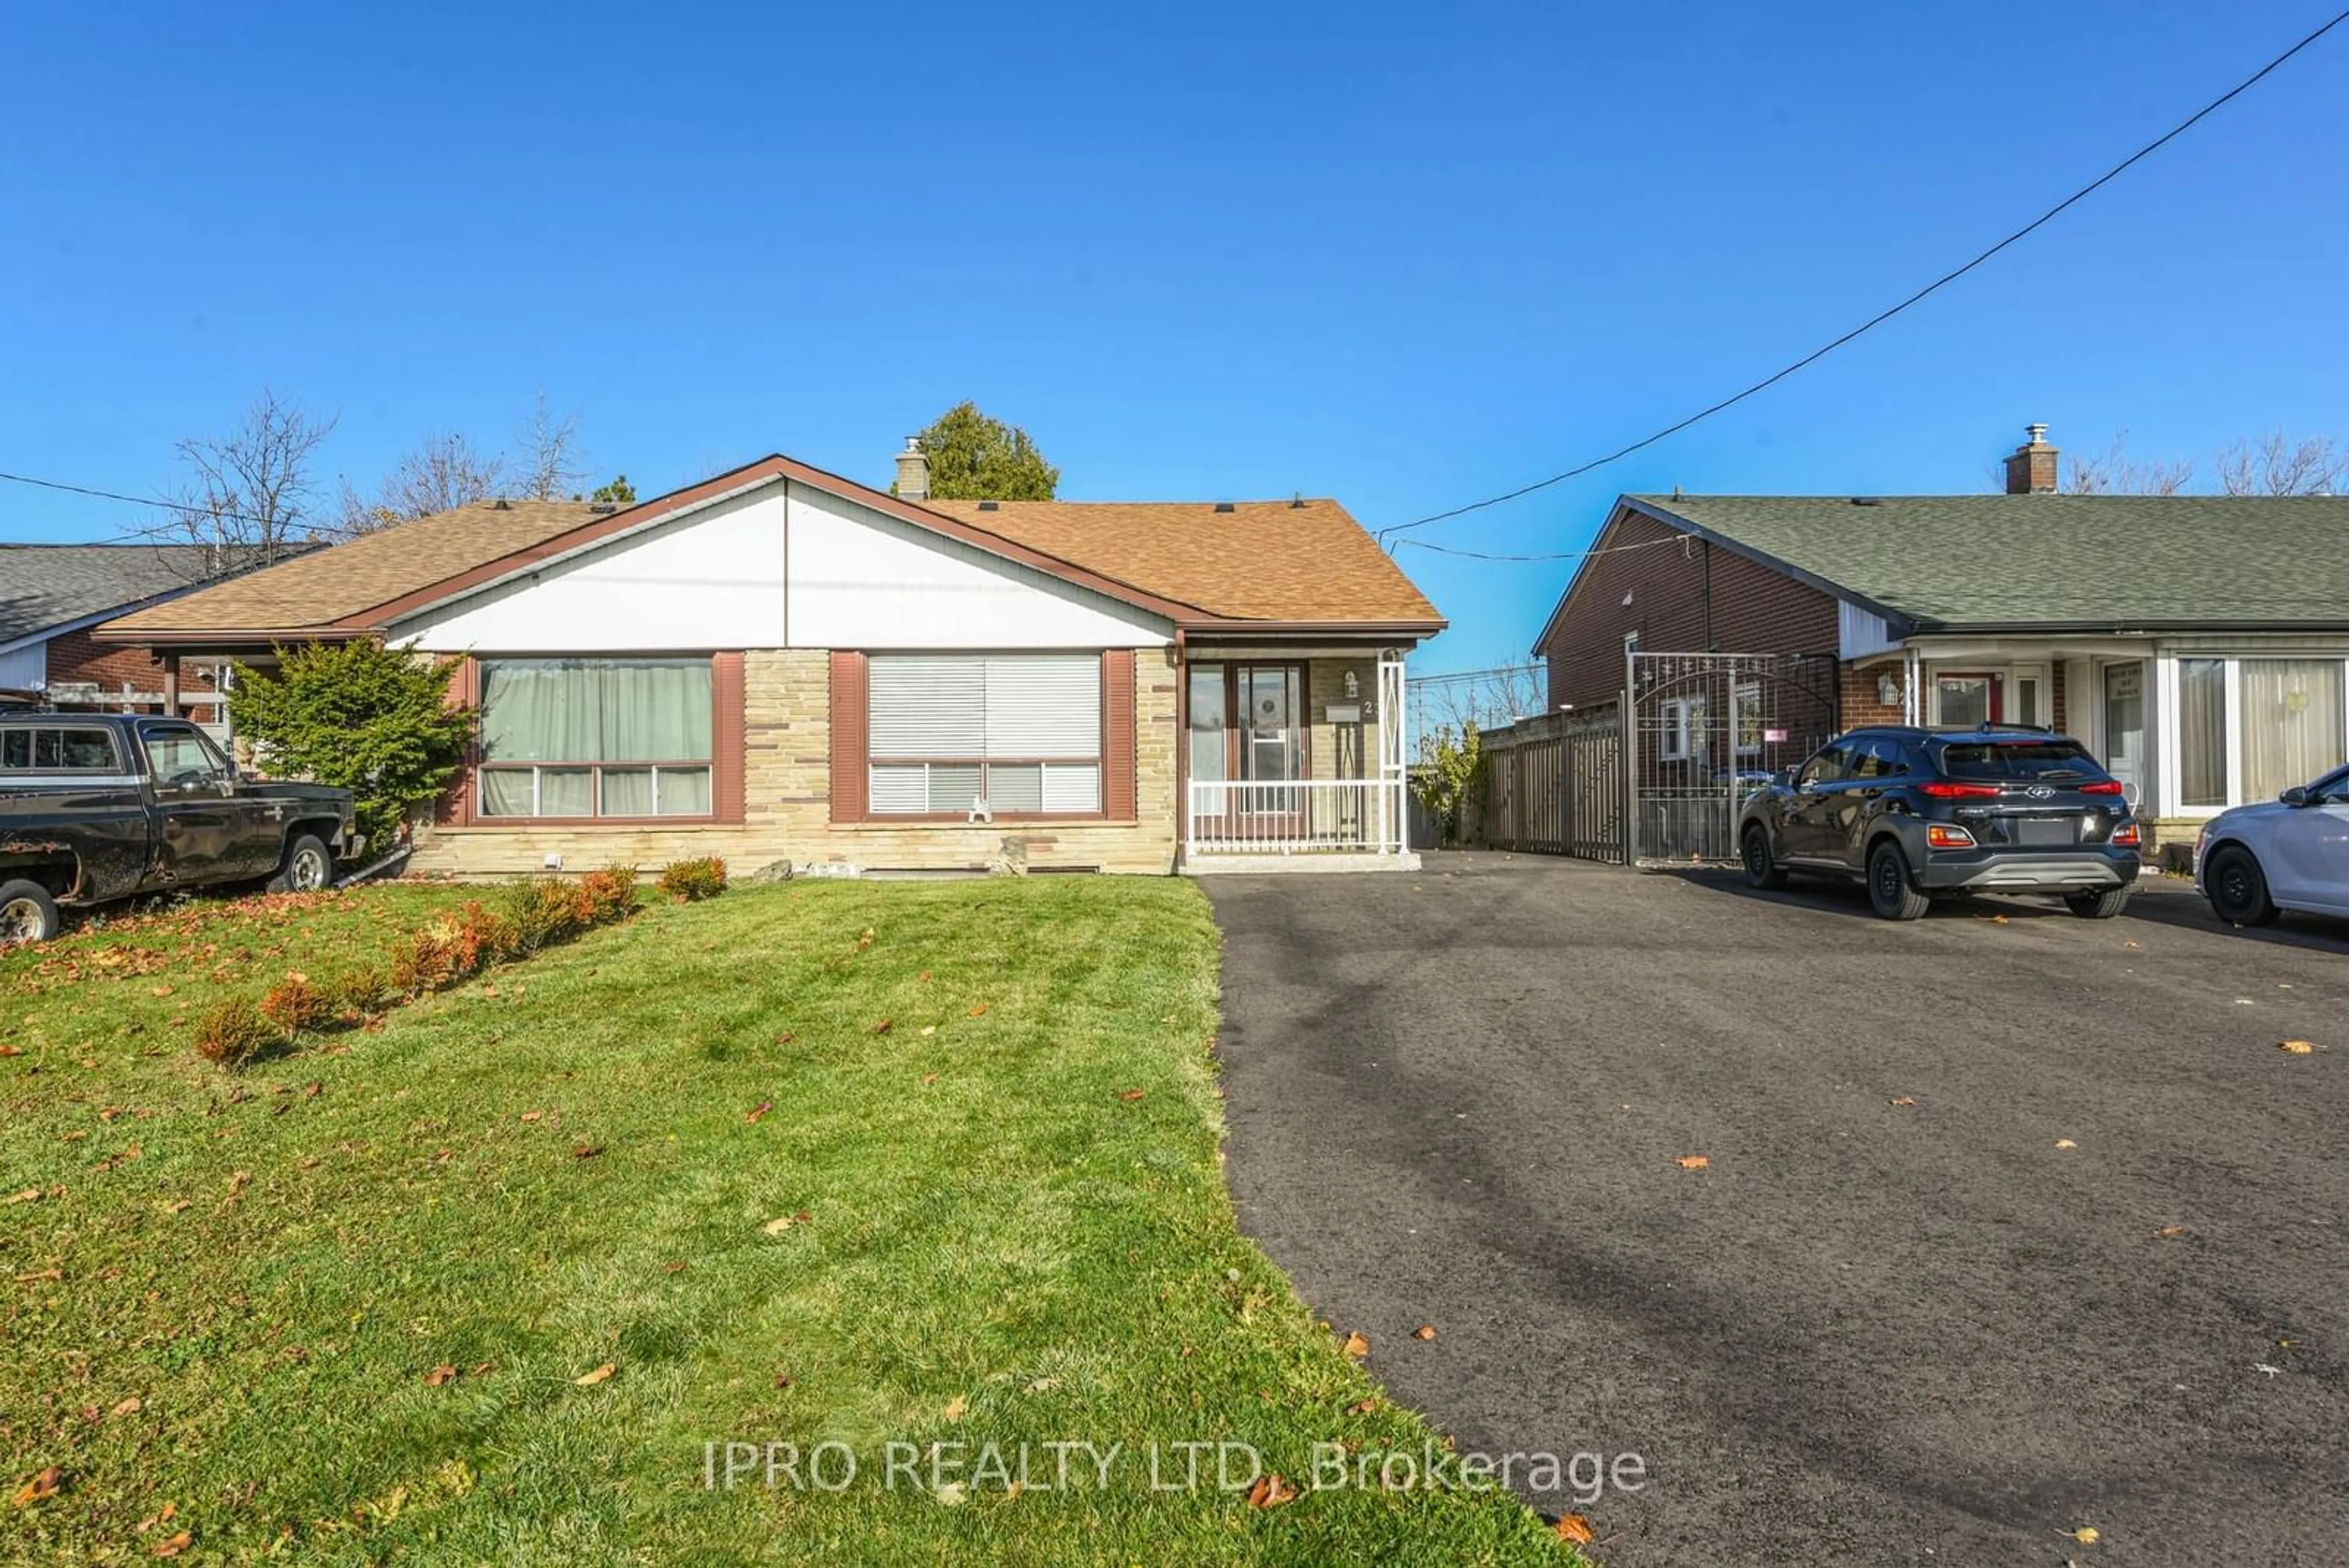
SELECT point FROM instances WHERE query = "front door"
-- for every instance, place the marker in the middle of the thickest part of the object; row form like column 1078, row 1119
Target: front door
column 2124, row 716
column 1247, row 725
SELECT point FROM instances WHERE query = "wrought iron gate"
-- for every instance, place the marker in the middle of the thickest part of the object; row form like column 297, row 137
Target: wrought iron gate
column 1705, row 731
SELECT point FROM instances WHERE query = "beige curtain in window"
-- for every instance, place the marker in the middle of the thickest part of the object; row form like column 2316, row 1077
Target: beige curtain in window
column 2292, row 723
column 2202, row 731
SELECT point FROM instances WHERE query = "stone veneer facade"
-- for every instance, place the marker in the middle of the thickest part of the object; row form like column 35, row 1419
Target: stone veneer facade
column 787, row 810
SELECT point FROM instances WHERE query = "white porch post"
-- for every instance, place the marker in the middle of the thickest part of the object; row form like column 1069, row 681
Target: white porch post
column 1395, row 695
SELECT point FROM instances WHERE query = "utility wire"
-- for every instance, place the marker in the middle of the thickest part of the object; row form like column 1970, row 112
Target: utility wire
column 1882, row 316
column 1552, row 555
column 147, row 535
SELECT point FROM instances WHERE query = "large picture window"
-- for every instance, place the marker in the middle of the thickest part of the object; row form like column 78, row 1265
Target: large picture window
column 596, row 737
column 2292, row 723
column 1021, row 733
column 2202, row 731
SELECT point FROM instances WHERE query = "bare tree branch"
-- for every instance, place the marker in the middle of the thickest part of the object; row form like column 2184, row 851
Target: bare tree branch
column 2117, row 474
column 246, row 497
column 2278, row 465
column 548, row 454
column 442, row 474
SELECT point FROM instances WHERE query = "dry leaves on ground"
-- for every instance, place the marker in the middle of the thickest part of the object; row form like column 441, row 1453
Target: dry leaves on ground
column 760, row 1110
column 1356, row 1344
column 1694, row 1161
column 2297, row 1047
column 1270, row 1491
column 1129, row 1095
column 44, row 1485
column 2065, row 1143
column 1904, row 1100
column 1575, row 1528
column 784, row 1222
column 172, row 1545
column 438, row 1375
column 955, row 1408
column 589, row 1380
column 1424, row 1331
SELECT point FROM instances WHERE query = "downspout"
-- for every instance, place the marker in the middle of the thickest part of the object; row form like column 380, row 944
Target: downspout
column 1710, row 646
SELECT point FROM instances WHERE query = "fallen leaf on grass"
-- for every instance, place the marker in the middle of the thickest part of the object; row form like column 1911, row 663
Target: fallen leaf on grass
column 162, row 991
column 924, row 977
column 30, row 1195
column 1424, row 1331
column 179, row 1206
column 1693, row 1161
column 1131, row 1094
column 977, row 1008
column 951, row 1494
column 438, row 1375
column 1356, row 1345
column 130, row 1406
column 782, row 1223
column 172, row 1546
column 588, row 1151
column 2297, row 1047
column 10, row 1051
column 1362, row 1407
column 1270, row 1491
column 1575, row 1528
column 785, row 1038
column 762, row 1108
column 883, row 1027
column 589, row 1380
column 955, row 1408
column 485, row 1368
column 929, row 1030
column 531, row 1116
column 783, row 1379
column 1904, row 1100
column 44, row 1485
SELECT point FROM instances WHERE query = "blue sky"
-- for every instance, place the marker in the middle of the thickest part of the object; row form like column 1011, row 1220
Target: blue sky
column 1404, row 254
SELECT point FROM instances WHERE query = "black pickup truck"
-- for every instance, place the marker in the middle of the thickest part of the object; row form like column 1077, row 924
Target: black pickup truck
column 95, row 807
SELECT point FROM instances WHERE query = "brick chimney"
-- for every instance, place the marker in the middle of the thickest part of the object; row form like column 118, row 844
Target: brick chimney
column 2030, row 469
column 913, row 471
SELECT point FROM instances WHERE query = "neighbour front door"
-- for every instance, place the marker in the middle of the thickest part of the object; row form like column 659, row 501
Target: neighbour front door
column 2124, row 725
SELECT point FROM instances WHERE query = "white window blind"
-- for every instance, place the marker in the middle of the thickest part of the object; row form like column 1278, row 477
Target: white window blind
column 1019, row 731
column 1024, row 705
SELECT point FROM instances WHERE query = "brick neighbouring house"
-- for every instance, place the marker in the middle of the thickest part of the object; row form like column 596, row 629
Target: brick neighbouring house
column 2199, row 645
column 53, row 596
column 780, row 663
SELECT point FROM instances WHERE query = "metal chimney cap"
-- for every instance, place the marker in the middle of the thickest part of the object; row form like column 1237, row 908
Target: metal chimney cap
column 2038, row 434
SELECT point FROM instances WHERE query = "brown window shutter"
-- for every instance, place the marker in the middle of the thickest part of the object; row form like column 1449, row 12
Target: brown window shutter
column 849, row 762
column 726, row 739
column 455, row 808
column 1117, row 738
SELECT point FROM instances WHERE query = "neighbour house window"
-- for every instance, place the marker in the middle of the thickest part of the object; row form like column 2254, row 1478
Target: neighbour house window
column 2202, row 731
column 1021, row 733
column 1683, row 737
column 1749, row 719
column 46, row 750
column 596, row 737
column 2292, row 723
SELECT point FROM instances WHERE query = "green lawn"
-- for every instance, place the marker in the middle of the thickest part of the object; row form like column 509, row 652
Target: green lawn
column 996, row 1121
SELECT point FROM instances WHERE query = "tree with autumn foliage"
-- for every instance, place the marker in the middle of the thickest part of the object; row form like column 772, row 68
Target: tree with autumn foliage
column 365, row 718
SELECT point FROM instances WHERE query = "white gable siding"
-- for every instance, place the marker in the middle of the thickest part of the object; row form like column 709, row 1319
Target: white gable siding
column 26, row 667
column 860, row 578
column 1861, row 632
column 782, row 566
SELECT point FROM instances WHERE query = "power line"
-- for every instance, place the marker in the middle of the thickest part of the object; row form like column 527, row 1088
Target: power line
column 148, row 533
column 1551, row 555
column 1882, row 316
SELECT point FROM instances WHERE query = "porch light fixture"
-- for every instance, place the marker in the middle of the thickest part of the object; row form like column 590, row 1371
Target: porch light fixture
column 1888, row 689
column 1353, row 686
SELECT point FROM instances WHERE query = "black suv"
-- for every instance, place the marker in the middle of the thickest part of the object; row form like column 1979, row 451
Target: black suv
column 1918, row 812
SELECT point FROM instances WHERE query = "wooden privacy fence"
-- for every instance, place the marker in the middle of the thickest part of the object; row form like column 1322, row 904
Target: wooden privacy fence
column 1555, row 784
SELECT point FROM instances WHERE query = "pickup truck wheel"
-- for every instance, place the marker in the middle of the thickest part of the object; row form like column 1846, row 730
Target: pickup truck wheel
column 2099, row 906
column 2238, row 888
column 308, row 867
column 1888, row 885
column 1762, row 870
column 27, row 913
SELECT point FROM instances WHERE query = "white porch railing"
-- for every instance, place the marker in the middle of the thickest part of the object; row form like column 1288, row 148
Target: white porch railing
column 1259, row 818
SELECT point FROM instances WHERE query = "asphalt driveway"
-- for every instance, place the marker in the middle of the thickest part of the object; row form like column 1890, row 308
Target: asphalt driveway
column 2094, row 1275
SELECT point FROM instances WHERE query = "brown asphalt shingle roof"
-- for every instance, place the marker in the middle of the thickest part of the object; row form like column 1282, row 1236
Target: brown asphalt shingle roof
column 1263, row 560
column 319, row 589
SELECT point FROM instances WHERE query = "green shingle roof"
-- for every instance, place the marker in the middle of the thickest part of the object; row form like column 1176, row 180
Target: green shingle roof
column 2114, row 562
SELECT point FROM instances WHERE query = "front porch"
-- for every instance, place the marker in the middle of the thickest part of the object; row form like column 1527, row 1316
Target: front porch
column 1293, row 759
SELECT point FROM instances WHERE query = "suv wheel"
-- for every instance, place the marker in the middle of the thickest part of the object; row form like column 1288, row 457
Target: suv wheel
column 2098, row 906
column 2238, row 888
column 27, row 913
column 307, row 869
column 1887, row 884
column 1761, row 869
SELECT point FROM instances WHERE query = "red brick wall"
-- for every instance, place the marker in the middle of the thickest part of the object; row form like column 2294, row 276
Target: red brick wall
column 1753, row 608
column 78, row 656
column 1863, row 703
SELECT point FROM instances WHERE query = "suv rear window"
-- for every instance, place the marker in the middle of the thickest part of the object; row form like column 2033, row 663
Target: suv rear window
column 2019, row 759
column 56, row 749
